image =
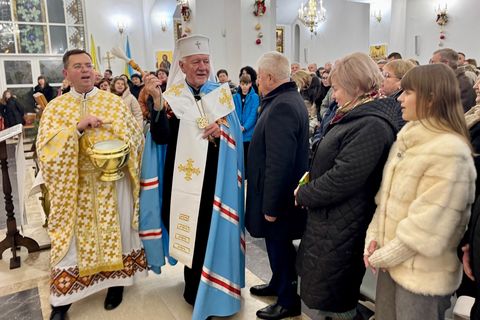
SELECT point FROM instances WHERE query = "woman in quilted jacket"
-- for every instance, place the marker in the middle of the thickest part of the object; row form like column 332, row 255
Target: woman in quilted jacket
column 344, row 177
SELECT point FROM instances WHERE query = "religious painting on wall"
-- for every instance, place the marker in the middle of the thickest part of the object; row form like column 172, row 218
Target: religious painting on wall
column 178, row 29
column 280, row 39
column 164, row 59
column 378, row 52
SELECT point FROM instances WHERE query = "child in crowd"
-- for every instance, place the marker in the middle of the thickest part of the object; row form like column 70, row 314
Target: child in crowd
column 424, row 201
column 246, row 105
column 119, row 86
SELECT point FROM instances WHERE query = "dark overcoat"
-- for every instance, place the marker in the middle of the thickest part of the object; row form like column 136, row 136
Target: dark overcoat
column 277, row 159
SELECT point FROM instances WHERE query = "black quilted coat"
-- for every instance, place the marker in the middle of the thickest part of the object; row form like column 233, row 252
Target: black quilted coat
column 344, row 178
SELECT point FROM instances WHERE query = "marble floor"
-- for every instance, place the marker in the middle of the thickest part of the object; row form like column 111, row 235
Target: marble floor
column 24, row 291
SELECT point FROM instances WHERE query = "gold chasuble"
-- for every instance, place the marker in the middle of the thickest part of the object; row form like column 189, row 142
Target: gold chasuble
column 83, row 206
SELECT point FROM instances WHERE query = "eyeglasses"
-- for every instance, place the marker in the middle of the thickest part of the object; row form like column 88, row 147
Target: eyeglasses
column 387, row 75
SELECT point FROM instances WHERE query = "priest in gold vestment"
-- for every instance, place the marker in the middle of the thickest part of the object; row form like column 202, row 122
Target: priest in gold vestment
column 92, row 223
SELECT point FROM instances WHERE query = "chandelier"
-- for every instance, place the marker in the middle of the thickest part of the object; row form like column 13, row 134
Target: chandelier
column 310, row 16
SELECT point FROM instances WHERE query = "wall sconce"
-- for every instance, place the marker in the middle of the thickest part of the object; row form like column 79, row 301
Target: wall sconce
column 121, row 26
column 163, row 24
column 377, row 14
column 442, row 16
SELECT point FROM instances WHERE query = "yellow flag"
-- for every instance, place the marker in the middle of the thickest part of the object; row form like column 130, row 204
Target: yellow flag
column 93, row 53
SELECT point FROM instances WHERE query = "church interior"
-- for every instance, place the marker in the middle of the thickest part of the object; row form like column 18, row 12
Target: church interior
column 34, row 34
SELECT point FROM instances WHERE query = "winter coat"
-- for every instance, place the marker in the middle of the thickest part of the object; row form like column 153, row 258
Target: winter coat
column 472, row 236
column 423, row 207
column 277, row 159
column 135, row 90
column 47, row 91
column 248, row 114
column 467, row 93
column 12, row 112
column 133, row 106
column 344, row 178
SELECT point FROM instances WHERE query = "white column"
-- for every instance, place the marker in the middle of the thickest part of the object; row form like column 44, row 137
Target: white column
column 398, row 27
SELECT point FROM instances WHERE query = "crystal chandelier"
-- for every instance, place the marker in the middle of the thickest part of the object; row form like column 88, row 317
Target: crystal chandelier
column 310, row 16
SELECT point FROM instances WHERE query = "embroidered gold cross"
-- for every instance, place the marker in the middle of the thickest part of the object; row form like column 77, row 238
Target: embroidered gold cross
column 189, row 169
column 176, row 89
column 225, row 98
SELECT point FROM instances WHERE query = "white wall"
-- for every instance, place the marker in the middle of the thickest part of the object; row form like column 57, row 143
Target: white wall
column 160, row 40
column 380, row 31
column 101, row 18
column 461, row 30
column 346, row 30
column 231, row 29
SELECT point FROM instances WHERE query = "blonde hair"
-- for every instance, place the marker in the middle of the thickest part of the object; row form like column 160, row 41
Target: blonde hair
column 399, row 67
column 275, row 64
column 302, row 79
column 438, row 98
column 357, row 74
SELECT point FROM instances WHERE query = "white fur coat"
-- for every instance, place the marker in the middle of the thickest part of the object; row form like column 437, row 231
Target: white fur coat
column 423, row 207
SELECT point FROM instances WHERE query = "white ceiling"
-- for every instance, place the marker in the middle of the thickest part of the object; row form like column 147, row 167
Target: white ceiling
column 287, row 10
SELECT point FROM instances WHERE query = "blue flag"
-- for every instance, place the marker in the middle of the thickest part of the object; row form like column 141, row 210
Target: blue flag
column 128, row 68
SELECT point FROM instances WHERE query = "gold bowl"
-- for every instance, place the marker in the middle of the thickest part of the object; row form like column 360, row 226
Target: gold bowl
column 109, row 156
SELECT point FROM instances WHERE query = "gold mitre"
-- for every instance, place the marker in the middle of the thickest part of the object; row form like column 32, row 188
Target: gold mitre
column 194, row 44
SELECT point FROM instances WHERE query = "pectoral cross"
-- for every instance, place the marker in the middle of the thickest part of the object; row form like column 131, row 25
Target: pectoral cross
column 108, row 57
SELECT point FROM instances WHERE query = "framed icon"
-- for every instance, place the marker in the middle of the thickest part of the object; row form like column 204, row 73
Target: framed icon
column 280, row 39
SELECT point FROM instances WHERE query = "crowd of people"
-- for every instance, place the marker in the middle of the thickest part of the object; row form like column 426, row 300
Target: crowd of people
column 372, row 164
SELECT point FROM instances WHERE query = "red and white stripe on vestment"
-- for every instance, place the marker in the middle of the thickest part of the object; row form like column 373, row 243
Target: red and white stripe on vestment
column 147, row 184
column 221, row 283
column 242, row 242
column 150, row 234
column 225, row 211
column 239, row 178
column 228, row 138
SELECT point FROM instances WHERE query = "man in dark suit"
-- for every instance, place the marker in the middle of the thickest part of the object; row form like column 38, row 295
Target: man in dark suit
column 450, row 57
column 277, row 159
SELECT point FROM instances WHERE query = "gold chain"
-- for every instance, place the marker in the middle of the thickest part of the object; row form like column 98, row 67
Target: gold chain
column 202, row 121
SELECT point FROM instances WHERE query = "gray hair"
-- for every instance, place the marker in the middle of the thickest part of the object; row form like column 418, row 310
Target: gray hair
column 276, row 64
column 448, row 56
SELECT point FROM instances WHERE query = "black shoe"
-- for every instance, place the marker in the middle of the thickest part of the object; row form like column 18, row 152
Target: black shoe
column 114, row 298
column 59, row 313
column 262, row 290
column 276, row 312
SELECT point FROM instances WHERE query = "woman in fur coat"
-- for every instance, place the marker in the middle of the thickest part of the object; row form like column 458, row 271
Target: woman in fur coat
column 424, row 201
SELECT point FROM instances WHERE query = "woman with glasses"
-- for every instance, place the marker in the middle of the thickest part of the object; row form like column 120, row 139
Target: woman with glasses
column 393, row 73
